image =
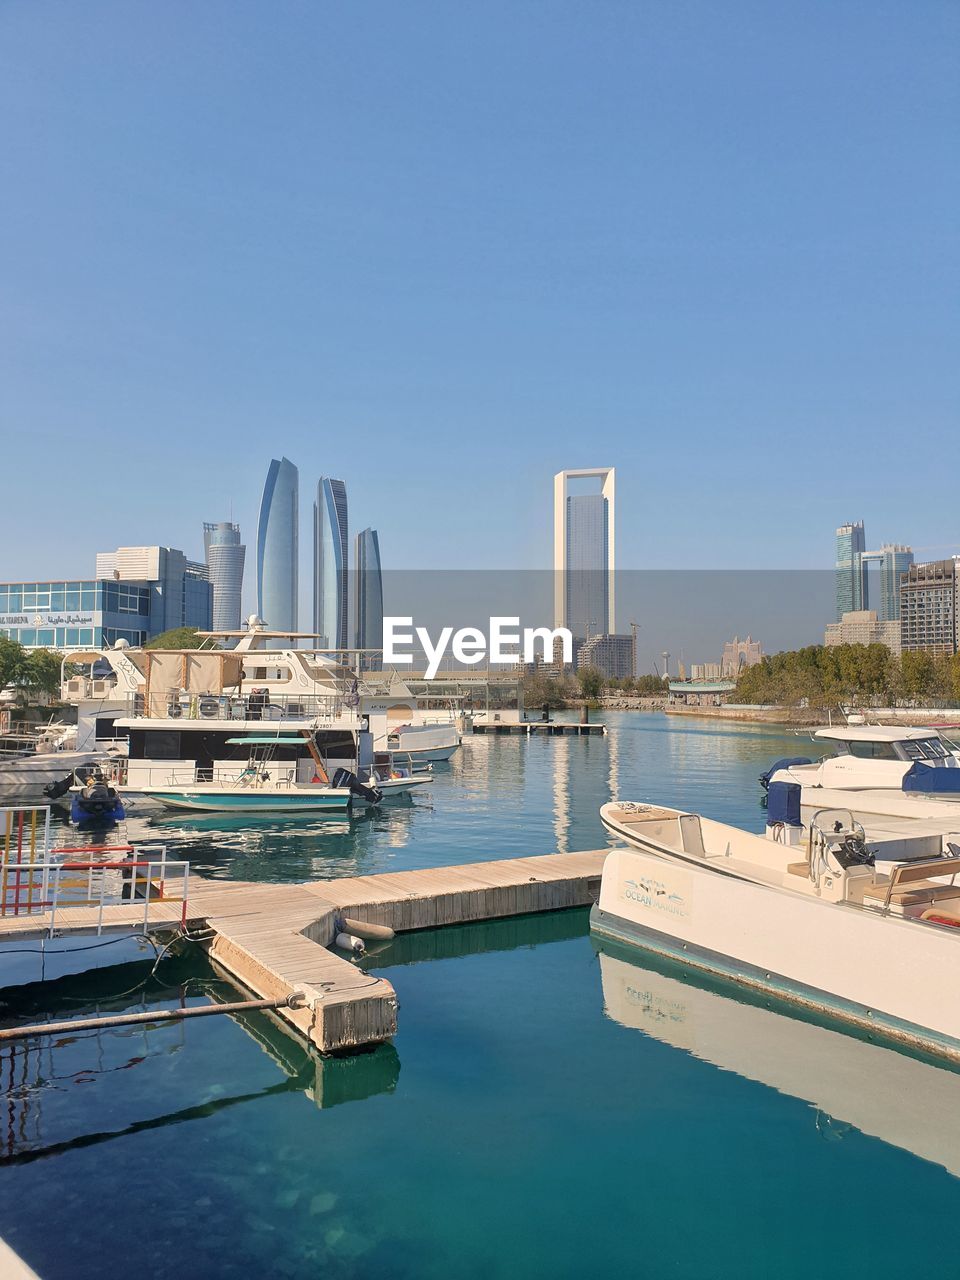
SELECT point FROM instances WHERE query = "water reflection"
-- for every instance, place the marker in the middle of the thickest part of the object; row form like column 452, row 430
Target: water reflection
column 85, row 1088
column 907, row 1101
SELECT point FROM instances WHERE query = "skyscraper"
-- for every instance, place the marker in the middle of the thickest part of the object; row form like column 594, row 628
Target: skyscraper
column 369, row 598
column 278, row 547
column 330, row 563
column 894, row 562
column 583, row 552
column 850, row 580
column 225, row 555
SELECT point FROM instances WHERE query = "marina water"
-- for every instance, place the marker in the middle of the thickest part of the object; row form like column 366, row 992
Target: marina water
column 515, row 1126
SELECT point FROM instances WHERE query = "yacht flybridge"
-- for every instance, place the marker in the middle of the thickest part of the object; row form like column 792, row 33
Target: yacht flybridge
column 805, row 913
column 263, row 726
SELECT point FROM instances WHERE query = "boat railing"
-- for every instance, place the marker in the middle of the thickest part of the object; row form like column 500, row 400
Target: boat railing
column 186, row 774
column 258, row 705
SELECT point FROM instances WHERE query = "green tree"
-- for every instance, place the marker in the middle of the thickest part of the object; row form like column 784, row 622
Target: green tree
column 177, row 638
column 41, row 672
column 650, row 686
column 12, row 659
column 591, row 682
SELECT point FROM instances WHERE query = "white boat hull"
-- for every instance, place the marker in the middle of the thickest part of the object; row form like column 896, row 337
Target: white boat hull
column 26, row 776
column 886, row 973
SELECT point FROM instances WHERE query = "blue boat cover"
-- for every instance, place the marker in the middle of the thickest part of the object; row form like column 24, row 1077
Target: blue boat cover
column 785, row 763
column 931, row 778
column 783, row 803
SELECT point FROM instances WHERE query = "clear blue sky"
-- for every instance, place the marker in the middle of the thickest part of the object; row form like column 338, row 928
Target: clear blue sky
column 444, row 249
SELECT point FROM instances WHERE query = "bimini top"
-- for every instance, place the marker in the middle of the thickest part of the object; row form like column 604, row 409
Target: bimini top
column 261, row 740
column 874, row 733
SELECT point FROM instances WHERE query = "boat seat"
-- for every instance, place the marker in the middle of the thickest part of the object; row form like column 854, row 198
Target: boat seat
column 922, row 891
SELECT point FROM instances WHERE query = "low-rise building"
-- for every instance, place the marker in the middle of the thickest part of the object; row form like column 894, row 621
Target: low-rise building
column 738, row 654
column 862, row 626
column 137, row 593
column 705, row 671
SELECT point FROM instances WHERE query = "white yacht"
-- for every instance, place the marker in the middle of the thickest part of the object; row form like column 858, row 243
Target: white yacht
column 31, row 762
column 877, row 771
column 262, row 727
column 806, row 914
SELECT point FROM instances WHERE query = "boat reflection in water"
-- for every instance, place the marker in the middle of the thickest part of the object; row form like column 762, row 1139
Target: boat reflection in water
column 128, row 1069
column 903, row 1100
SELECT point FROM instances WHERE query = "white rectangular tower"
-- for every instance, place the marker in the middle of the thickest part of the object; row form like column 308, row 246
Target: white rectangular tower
column 583, row 552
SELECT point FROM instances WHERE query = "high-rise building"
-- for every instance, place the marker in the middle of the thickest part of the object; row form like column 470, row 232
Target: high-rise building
column 894, row 563
column 853, row 561
column 180, row 590
column 368, row 632
column 610, row 654
column 330, row 564
column 225, row 555
column 850, row 580
column 929, row 617
column 278, row 547
column 583, row 552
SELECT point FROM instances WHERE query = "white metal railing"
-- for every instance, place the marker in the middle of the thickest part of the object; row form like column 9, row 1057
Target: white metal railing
column 185, row 774
column 24, row 833
column 263, row 706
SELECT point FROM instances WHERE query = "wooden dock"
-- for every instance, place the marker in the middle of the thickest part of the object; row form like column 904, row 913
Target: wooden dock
column 274, row 939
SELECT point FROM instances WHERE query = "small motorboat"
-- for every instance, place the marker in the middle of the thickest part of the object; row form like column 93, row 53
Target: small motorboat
column 96, row 801
column 806, row 913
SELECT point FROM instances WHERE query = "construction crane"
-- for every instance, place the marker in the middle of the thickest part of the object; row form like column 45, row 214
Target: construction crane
column 634, row 628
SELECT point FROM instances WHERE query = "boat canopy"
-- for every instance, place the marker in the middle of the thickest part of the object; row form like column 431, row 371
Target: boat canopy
column 874, row 733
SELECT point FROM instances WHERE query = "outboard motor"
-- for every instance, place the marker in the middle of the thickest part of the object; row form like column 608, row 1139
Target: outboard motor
column 344, row 778
column 54, row 790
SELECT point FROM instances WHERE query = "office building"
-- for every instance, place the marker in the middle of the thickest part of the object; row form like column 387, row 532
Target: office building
column 330, row 564
column 894, row 561
column 611, row 654
column 850, row 583
column 137, row 593
column 705, row 671
column 928, row 607
column 225, row 555
column 368, row 629
column 278, row 547
column 852, row 573
column 583, row 551
column 180, row 591
column 864, row 627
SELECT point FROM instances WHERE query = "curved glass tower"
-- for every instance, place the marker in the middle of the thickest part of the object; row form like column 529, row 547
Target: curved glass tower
column 369, row 607
column 225, row 555
column 278, row 547
column 330, row 563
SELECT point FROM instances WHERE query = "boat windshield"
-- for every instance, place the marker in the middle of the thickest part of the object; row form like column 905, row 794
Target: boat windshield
column 924, row 749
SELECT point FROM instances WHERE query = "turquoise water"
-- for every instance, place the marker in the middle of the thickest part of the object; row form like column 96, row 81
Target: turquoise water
column 543, row 1110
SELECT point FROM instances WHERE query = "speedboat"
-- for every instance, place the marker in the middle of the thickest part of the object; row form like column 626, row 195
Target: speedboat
column 876, row 771
column 804, row 913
